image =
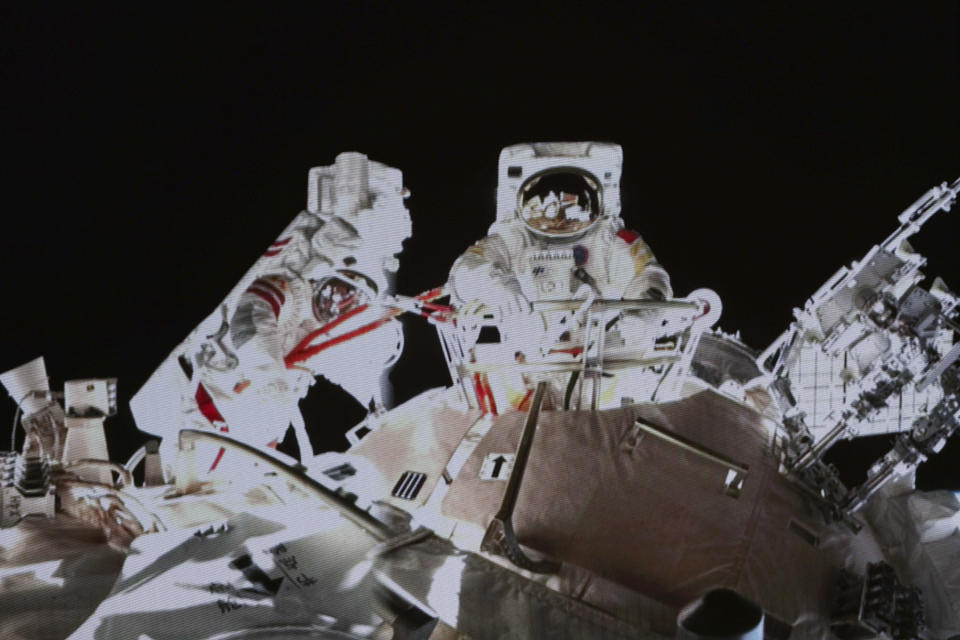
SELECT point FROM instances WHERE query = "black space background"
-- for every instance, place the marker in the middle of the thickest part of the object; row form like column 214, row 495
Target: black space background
column 150, row 154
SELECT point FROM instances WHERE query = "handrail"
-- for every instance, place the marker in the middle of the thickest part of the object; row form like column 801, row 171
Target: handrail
column 617, row 304
column 347, row 509
column 500, row 537
column 693, row 447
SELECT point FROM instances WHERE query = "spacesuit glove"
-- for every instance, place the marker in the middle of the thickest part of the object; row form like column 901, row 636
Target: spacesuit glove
column 513, row 304
column 650, row 283
column 654, row 293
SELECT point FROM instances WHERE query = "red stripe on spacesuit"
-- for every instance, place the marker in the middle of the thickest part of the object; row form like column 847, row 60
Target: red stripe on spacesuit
column 210, row 412
column 272, row 288
column 489, row 392
column 628, row 236
column 216, row 460
column 276, row 247
column 274, row 305
column 207, row 408
column 270, row 293
column 265, row 289
column 574, row 351
column 478, row 390
column 484, row 394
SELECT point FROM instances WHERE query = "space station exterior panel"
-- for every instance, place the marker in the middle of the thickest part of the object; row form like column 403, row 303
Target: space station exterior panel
column 188, row 584
column 823, row 384
column 419, row 437
column 485, row 600
column 54, row 574
column 642, row 512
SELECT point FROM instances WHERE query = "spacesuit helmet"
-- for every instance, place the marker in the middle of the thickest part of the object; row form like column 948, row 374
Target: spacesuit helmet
column 339, row 293
column 561, row 202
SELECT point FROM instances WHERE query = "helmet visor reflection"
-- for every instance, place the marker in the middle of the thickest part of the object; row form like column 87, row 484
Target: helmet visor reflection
column 336, row 295
column 559, row 202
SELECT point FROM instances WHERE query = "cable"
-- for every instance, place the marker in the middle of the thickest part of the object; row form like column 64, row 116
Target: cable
column 136, row 458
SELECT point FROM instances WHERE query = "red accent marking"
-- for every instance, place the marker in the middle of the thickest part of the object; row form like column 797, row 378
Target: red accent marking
column 271, row 252
column 706, row 309
column 489, row 392
column 280, row 243
column 272, row 288
column 272, row 444
column 207, row 408
column 210, row 412
column 216, row 460
column 265, row 295
column 430, row 295
column 628, row 236
column 481, row 395
column 525, row 403
column 437, row 307
column 574, row 351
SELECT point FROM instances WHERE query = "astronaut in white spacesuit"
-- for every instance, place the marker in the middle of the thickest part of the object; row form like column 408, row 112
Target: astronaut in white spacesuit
column 314, row 304
column 558, row 237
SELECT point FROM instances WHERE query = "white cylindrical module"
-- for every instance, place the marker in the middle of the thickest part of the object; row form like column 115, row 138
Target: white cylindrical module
column 86, row 441
column 19, row 382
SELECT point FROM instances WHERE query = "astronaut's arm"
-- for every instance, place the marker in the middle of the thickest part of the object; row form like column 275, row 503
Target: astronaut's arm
column 653, row 283
column 483, row 273
column 644, row 277
column 257, row 314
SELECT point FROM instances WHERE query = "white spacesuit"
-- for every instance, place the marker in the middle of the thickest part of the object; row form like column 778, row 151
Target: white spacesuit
column 558, row 237
column 313, row 303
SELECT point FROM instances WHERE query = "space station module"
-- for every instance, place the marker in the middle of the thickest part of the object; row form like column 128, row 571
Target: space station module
column 558, row 237
column 312, row 303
